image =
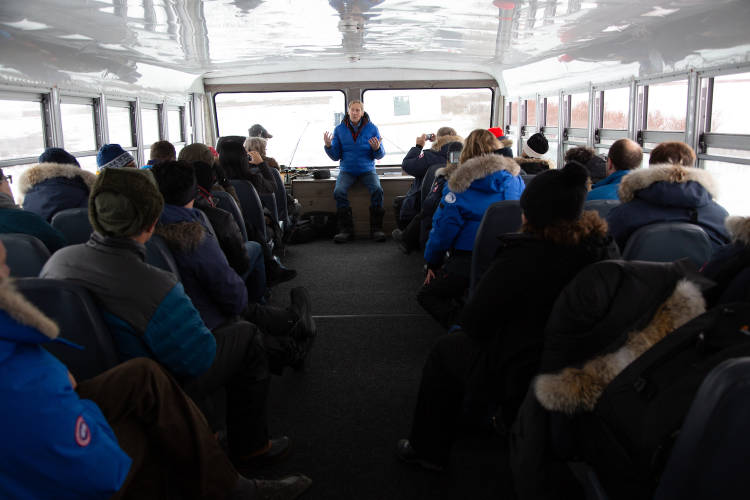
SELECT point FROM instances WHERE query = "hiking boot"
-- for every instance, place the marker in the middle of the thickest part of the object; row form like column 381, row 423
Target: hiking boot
column 274, row 451
column 405, row 452
column 376, row 223
column 346, row 225
column 304, row 330
column 286, row 488
column 279, row 273
column 398, row 237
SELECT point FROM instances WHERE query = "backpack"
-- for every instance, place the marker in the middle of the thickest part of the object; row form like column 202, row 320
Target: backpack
column 630, row 433
column 324, row 223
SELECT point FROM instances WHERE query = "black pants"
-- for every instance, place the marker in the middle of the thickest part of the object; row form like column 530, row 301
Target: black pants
column 443, row 296
column 162, row 431
column 410, row 234
column 241, row 369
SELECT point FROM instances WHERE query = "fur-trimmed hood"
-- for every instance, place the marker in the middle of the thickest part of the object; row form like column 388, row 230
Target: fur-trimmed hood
column 183, row 236
column 642, row 178
column 739, row 228
column 480, row 167
column 43, row 171
column 578, row 388
column 25, row 313
column 445, row 139
column 527, row 163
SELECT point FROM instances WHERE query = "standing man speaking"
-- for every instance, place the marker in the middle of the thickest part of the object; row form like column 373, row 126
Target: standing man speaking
column 357, row 143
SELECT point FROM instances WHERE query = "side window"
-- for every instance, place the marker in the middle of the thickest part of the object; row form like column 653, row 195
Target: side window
column 21, row 134
column 79, row 132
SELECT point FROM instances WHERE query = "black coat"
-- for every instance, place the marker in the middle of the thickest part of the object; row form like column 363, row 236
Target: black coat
column 730, row 265
column 228, row 234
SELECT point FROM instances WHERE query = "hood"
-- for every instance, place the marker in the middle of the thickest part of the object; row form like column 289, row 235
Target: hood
column 739, row 229
column 681, row 186
column 531, row 161
column 180, row 228
column 44, row 171
column 443, row 141
column 481, row 167
column 30, row 324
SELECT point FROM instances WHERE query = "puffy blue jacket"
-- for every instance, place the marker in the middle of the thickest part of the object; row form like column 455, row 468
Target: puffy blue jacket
column 217, row 291
column 606, row 189
column 667, row 193
column 352, row 148
column 53, row 445
column 48, row 188
column 471, row 189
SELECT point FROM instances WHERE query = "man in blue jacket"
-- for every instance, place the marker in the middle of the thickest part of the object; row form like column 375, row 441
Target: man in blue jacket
column 357, row 143
column 624, row 156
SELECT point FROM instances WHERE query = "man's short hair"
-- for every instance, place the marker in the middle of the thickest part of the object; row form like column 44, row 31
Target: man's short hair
column 581, row 154
column 675, row 153
column 355, row 101
column 625, row 154
column 163, row 151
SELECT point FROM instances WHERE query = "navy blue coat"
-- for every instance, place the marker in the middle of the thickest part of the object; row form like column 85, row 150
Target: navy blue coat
column 48, row 188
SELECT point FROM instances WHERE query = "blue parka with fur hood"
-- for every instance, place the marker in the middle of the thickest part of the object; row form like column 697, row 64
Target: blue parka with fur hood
column 351, row 146
column 47, row 188
column 471, row 189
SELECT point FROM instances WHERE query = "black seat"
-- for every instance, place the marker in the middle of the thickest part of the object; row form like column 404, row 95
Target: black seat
column 601, row 206
column 159, row 255
column 268, row 200
column 252, row 208
column 428, row 179
column 711, row 454
column 73, row 309
column 226, row 201
column 280, row 197
column 239, row 139
column 527, row 178
column 74, row 224
column 26, row 254
column 500, row 218
column 667, row 242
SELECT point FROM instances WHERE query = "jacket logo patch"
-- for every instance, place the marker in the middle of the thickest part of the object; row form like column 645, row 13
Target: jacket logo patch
column 421, row 155
column 450, row 198
column 83, row 433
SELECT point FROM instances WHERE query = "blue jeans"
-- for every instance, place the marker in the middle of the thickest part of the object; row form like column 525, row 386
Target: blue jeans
column 345, row 180
column 255, row 276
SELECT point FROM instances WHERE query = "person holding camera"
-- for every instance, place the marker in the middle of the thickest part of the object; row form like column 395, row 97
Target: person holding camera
column 356, row 142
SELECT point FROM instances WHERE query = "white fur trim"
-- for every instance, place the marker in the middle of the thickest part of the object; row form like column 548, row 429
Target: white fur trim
column 644, row 177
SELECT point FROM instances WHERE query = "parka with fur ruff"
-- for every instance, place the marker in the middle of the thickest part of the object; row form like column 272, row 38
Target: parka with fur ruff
column 668, row 193
column 729, row 266
column 472, row 187
column 534, row 166
column 47, row 188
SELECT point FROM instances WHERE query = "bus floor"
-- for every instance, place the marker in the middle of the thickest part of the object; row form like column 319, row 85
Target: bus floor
column 355, row 398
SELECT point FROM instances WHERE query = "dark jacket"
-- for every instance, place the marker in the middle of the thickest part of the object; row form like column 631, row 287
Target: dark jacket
column 509, row 308
column 534, row 166
column 216, row 290
column 146, row 308
column 47, row 188
column 352, row 147
column 416, row 163
column 729, row 267
column 228, row 234
column 667, row 193
column 15, row 220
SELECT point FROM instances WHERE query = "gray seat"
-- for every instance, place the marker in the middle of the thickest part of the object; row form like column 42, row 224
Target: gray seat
column 26, row 254
column 159, row 255
column 667, row 242
column 280, row 198
column 500, row 218
column 601, row 206
column 527, row 178
column 252, row 208
column 268, row 200
column 226, row 201
column 73, row 309
column 74, row 224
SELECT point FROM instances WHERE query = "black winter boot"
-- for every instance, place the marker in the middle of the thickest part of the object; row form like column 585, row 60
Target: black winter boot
column 376, row 223
column 346, row 225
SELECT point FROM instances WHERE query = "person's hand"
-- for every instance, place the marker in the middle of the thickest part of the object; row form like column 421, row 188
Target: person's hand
column 430, row 275
column 255, row 158
column 421, row 140
column 374, row 143
column 327, row 138
column 72, row 380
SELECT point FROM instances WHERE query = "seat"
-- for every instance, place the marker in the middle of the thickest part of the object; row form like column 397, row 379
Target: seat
column 601, row 206
column 239, row 139
column 74, row 224
column 280, row 198
column 500, row 218
column 252, row 208
column 667, row 242
column 73, row 309
column 709, row 458
column 206, row 222
column 26, row 254
column 428, row 179
column 527, row 178
column 268, row 200
column 226, row 201
column 159, row 255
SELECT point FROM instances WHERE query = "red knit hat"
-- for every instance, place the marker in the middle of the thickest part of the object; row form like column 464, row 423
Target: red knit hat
column 496, row 131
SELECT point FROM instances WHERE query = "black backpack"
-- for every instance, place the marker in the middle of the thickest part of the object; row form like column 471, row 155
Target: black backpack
column 630, row 433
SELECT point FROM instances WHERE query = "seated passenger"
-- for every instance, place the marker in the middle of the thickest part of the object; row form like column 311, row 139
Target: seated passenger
column 490, row 361
column 506, row 144
column 258, row 130
column 417, row 162
column 481, row 179
column 161, row 152
column 623, row 157
column 200, row 152
column 56, row 183
column 668, row 191
column 150, row 315
column 130, row 432
column 532, row 159
column 113, row 156
column 215, row 289
column 15, row 220
column 587, row 157
column 729, row 265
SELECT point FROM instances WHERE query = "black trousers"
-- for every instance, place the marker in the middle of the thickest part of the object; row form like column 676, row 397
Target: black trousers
column 241, row 369
column 410, row 234
column 443, row 296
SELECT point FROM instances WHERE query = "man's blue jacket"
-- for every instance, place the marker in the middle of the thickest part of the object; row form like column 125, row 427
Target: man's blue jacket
column 606, row 189
column 351, row 147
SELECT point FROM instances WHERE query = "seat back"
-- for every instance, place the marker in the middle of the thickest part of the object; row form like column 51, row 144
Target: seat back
column 601, row 206
column 527, row 178
column 206, row 222
column 500, row 218
column 159, row 255
column 239, row 139
column 74, row 224
column 280, row 197
column 268, row 200
column 226, row 201
column 710, row 457
column 667, row 242
column 252, row 208
column 73, row 309
column 429, row 178
column 26, row 254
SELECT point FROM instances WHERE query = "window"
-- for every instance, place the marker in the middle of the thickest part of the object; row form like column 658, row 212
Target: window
column 21, row 128
column 616, row 107
column 77, row 118
column 120, row 124
column 297, row 121
column 149, row 125
column 531, row 112
column 462, row 109
column 89, row 162
column 514, row 113
column 732, row 180
column 553, row 112
column 174, row 122
column 579, row 111
column 401, row 106
column 730, row 107
column 667, row 106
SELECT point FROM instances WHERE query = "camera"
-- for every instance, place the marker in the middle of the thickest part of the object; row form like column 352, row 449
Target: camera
column 430, row 137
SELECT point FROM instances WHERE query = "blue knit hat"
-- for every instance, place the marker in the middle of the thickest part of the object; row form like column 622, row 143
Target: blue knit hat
column 58, row 155
column 112, row 156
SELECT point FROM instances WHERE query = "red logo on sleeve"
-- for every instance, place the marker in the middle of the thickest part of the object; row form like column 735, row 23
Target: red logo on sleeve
column 83, row 433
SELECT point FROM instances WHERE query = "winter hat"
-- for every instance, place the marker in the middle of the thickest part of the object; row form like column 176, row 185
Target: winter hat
column 258, row 130
column 497, row 132
column 58, row 155
column 536, row 146
column 597, row 167
column 555, row 195
column 123, row 202
column 177, row 182
column 112, row 156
